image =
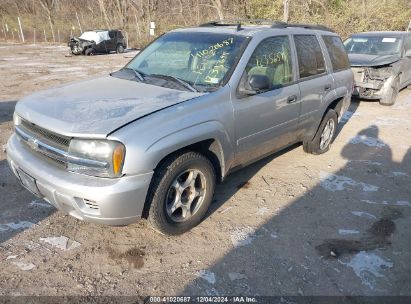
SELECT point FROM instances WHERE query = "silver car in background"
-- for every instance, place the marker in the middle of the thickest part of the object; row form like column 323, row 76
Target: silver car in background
column 153, row 138
column 381, row 62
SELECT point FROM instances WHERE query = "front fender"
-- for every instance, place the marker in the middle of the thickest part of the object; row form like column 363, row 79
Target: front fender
column 151, row 138
column 209, row 130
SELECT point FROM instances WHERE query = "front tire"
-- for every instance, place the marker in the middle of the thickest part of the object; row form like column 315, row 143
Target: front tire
column 181, row 192
column 90, row 52
column 324, row 137
column 391, row 94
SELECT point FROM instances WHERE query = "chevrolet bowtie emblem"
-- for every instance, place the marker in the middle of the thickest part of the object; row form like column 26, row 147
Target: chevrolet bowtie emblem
column 33, row 143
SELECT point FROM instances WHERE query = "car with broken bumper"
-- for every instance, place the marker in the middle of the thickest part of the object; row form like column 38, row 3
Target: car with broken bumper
column 381, row 62
column 153, row 139
column 98, row 42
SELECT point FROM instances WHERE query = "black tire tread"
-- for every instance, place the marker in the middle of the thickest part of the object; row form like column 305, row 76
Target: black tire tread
column 312, row 146
column 165, row 169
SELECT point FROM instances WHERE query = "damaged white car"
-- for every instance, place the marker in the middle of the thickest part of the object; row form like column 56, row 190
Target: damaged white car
column 381, row 62
column 98, row 42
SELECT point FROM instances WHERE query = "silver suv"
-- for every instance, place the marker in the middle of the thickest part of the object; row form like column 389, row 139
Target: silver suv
column 153, row 138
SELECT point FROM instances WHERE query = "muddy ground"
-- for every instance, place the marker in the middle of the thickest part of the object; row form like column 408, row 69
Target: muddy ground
column 291, row 224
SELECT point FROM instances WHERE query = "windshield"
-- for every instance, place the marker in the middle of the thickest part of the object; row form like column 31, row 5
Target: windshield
column 202, row 60
column 373, row 45
column 97, row 37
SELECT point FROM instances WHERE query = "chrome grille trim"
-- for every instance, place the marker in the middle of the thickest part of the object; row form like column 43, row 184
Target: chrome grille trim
column 54, row 153
column 41, row 133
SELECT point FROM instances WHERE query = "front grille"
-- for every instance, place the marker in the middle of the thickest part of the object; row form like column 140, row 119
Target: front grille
column 358, row 74
column 60, row 141
column 50, row 146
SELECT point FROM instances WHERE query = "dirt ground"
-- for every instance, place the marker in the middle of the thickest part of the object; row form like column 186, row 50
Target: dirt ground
column 291, row 224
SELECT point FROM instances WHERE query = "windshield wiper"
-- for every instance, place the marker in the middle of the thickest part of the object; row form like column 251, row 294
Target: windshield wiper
column 136, row 73
column 184, row 83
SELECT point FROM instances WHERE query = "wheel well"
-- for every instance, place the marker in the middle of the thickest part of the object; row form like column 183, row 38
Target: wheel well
column 210, row 148
column 336, row 106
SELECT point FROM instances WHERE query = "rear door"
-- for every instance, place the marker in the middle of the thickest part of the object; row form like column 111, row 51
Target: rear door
column 111, row 42
column 340, row 64
column 315, row 83
column 267, row 121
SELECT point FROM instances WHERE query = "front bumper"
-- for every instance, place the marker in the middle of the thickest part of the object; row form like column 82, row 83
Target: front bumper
column 374, row 89
column 99, row 200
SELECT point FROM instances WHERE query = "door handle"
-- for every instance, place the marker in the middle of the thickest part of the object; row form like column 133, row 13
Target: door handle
column 327, row 87
column 292, row 99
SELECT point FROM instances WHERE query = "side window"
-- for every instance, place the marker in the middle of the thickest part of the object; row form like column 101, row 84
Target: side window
column 111, row 34
column 338, row 56
column 310, row 57
column 272, row 58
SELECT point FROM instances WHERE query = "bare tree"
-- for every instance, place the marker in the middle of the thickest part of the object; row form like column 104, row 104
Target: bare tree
column 286, row 10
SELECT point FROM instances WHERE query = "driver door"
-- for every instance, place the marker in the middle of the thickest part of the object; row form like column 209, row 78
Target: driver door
column 268, row 120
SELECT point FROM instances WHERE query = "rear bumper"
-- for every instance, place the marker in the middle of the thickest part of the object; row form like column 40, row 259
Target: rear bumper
column 99, row 200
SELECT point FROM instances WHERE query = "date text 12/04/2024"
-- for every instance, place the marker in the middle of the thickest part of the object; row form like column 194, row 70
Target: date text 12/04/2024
column 203, row 299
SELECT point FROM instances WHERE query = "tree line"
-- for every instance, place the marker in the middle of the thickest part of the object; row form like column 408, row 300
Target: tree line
column 57, row 20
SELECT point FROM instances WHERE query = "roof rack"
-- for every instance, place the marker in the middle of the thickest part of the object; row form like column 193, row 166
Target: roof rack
column 302, row 25
column 271, row 23
column 221, row 23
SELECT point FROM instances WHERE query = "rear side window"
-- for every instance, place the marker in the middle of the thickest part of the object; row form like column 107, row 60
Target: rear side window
column 310, row 57
column 336, row 50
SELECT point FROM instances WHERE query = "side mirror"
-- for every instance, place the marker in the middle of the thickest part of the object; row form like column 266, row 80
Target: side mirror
column 408, row 53
column 259, row 82
column 255, row 85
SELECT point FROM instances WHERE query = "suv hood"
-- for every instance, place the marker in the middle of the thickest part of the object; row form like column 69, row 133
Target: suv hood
column 94, row 108
column 372, row 60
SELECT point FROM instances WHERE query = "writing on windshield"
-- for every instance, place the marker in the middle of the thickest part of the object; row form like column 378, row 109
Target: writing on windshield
column 201, row 59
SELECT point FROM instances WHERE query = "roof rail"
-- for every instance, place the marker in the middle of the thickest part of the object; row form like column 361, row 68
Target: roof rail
column 273, row 24
column 221, row 23
column 237, row 22
column 302, row 25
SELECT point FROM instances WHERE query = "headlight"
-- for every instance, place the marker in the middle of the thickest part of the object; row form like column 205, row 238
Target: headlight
column 379, row 73
column 103, row 158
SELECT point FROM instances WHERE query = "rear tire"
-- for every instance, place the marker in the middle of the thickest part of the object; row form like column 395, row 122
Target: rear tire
column 324, row 137
column 391, row 94
column 180, row 193
column 120, row 48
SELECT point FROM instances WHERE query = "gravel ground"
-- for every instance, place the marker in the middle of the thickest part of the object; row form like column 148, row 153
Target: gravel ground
column 291, row 224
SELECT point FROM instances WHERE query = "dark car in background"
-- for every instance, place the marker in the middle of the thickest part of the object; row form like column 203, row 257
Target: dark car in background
column 98, row 41
column 381, row 62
